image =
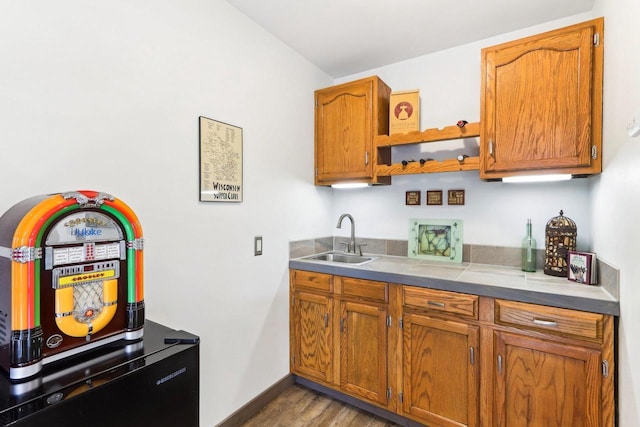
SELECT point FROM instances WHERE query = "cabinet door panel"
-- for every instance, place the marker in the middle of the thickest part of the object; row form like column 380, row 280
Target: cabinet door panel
column 363, row 346
column 312, row 325
column 545, row 384
column 441, row 371
column 541, row 106
column 343, row 125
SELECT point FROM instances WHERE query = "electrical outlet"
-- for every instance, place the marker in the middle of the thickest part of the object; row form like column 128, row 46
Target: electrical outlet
column 257, row 245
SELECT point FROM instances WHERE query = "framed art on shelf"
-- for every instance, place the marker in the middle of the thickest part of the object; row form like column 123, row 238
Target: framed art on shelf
column 436, row 239
column 582, row 267
column 220, row 161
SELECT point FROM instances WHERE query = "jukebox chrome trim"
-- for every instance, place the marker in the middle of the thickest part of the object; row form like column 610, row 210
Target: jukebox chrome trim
column 25, row 371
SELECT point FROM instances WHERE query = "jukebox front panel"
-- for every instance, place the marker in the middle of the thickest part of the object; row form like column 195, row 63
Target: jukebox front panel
column 81, row 280
column 74, row 278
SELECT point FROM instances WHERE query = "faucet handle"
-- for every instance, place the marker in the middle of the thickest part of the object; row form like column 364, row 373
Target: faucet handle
column 360, row 245
column 346, row 244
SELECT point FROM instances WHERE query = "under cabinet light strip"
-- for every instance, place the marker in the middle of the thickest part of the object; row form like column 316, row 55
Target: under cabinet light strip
column 350, row 185
column 537, row 178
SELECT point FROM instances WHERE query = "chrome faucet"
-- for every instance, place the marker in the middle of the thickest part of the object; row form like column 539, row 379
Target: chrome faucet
column 351, row 245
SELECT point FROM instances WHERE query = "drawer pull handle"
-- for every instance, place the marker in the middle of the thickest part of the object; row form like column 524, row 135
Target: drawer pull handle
column 545, row 322
column 436, row 303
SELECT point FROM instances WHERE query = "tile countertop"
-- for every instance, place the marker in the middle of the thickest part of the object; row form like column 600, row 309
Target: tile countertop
column 479, row 279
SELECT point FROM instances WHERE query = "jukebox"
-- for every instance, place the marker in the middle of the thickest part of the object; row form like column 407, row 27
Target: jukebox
column 71, row 278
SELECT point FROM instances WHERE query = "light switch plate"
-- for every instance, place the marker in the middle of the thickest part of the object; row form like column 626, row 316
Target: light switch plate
column 257, row 245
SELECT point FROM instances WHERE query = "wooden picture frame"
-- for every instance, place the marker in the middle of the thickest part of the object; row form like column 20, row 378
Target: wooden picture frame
column 220, row 161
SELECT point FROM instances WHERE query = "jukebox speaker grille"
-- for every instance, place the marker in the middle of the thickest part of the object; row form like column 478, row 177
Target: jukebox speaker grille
column 87, row 301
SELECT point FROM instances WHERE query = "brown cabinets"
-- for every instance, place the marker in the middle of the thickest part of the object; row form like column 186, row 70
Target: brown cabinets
column 540, row 113
column 339, row 333
column 347, row 117
column 555, row 370
column 446, row 359
column 541, row 105
column 441, row 364
column 311, row 325
column 363, row 338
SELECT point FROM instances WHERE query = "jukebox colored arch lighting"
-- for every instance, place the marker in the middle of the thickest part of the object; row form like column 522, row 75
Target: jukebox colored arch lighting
column 25, row 280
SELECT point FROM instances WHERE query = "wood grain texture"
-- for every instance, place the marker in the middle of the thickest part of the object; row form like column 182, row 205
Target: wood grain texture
column 441, row 376
column 363, row 351
column 312, row 346
column 540, row 383
column 347, row 117
column 470, row 130
column 364, row 289
column 541, row 102
column 561, row 321
column 300, row 407
column 443, row 301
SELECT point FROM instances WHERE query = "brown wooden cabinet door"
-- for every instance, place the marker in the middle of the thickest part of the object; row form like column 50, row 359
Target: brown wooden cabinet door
column 441, row 371
column 540, row 383
column 344, row 132
column 312, row 326
column 363, row 351
column 347, row 117
column 541, row 104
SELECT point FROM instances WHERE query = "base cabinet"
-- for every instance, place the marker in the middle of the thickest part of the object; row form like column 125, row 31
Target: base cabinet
column 543, row 383
column 312, row 354
column 556, row 369
column 448, row 359
column 441, row 374
column 363, row 351
column 311, row 331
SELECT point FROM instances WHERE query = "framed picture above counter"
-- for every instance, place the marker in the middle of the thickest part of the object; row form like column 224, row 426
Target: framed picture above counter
column 436, row 239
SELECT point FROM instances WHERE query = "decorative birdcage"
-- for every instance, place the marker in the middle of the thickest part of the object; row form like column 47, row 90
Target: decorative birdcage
column 560, row 238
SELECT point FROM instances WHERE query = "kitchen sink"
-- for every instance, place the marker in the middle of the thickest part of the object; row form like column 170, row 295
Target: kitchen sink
column 341, row 257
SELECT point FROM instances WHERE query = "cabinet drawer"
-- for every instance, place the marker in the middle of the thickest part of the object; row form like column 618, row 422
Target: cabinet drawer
column 443, row 301
column 551, row 319
column 310, row 280
column 365, row 289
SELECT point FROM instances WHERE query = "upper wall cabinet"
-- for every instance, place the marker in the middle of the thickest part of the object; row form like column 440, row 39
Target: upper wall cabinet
column 347, row 117
column 541, row 104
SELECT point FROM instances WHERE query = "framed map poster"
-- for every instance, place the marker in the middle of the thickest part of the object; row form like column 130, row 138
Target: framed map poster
column 220, row 161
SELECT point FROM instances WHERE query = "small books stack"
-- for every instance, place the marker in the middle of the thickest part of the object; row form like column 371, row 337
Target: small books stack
column 582, row 267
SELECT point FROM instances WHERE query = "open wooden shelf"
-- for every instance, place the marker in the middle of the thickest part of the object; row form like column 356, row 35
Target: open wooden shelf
column 470, row 130
column 431, row 166
column 385, row 142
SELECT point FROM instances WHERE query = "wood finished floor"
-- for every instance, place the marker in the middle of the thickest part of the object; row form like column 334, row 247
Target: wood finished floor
column 299, row 406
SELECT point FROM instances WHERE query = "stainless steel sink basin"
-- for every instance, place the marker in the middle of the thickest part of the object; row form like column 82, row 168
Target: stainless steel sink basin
column 341, row 257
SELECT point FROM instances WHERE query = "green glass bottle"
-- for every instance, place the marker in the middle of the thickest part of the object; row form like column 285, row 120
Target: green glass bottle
column 528, row 250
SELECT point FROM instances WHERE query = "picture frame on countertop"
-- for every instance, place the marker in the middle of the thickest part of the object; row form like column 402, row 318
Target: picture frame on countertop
column 220, row 161
column 436, row 239
column 582, row 267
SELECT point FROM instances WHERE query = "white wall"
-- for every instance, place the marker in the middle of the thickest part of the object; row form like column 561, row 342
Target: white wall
column 494, row 213
column 106, row 96
column 616, row 195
